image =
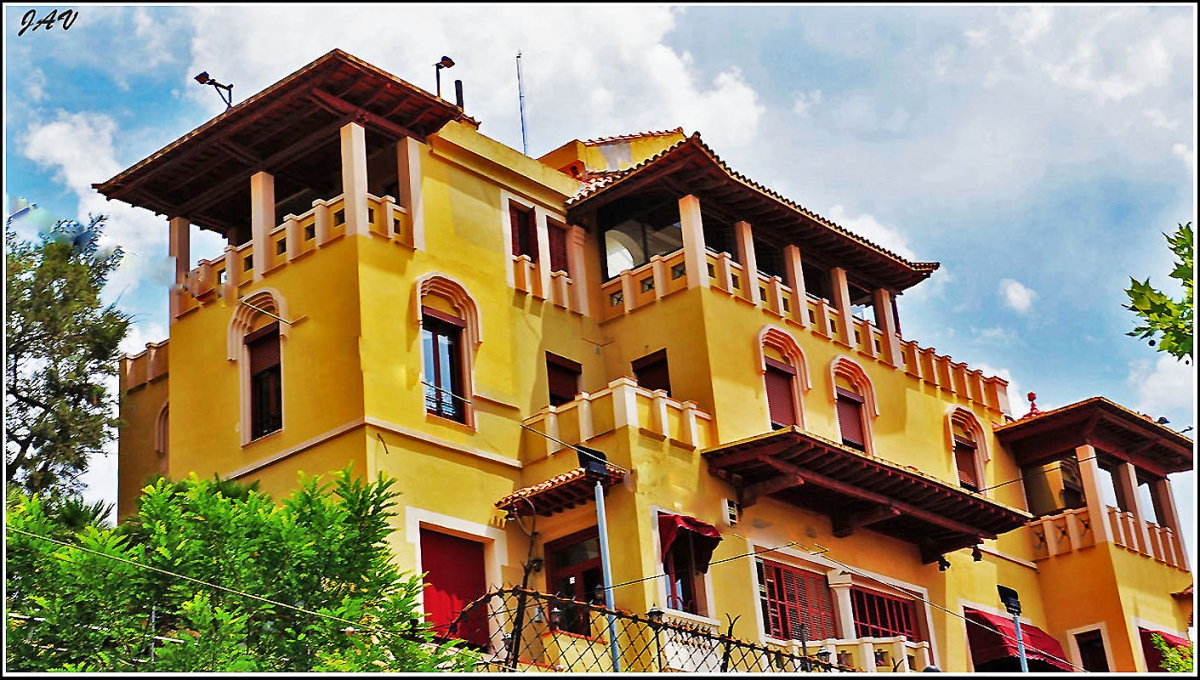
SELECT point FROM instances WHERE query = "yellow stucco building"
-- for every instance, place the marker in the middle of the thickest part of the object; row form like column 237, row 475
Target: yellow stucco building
column 402, row 293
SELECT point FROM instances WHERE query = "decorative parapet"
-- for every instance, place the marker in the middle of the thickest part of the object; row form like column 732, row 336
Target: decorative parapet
column 1072, row 530
column 622, row 404
column 665, row 275
column 296, row 237
column 144, row 367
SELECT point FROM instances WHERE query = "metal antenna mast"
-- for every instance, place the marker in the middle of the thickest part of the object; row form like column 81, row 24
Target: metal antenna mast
column 521, row 94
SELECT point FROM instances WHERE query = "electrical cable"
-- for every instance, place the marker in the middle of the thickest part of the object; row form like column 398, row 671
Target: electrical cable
column 353, row 625
column 938, row 606
column 577, row 449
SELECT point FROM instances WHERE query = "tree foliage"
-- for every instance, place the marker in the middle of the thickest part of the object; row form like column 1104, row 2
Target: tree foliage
column 327, row 594
column 1160, row 316
column 61, row 344
column 1174, row 659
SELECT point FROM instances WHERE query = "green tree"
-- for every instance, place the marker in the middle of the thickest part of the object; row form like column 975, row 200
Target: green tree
column 1174, row 659
column 209, row 577
column 61, row 344
column 1160, row 316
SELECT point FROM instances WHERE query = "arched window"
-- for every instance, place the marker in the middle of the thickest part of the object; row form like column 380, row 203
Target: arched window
column 968, row 446
column 162, row 434
column 785, row 374
column 854, row 397
column 450, row 337
column 255, row 342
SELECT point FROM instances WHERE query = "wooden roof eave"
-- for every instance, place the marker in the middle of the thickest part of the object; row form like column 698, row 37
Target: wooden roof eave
column 693, row 156
column 299, row 86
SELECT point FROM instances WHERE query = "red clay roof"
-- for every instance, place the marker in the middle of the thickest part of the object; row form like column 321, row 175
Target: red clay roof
column 557, row 493
column 693, row 148
column 1102, row 423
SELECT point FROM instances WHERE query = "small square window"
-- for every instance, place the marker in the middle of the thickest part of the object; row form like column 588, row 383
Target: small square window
column 678, row 271
column 281, row 246
column 339, row 218
column 248, row 263
column 647, row 284
column 310, row 232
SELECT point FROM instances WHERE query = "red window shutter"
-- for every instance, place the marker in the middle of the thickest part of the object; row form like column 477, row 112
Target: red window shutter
column 563, row 377
column 558, row 249
column 850, row 421
column 455, row 579
column 263, row 346
column 651, row 372
column 964, row 459
column 524, row 235
column 780, row 402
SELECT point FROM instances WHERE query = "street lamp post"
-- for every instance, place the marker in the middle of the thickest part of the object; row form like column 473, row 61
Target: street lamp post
column 595, row 467
column 1012, row 603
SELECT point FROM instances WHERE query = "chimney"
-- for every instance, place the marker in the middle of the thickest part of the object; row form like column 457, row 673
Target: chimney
column 458, row 99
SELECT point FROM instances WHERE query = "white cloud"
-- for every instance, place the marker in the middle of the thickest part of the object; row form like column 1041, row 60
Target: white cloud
column 1018, row 405
column 78, row 147
column 1016, row 296
column 873, row 230
column 996, row 335
column 1187, row 154
column 1160, row 119
column 618, row 76
column 1164, row 387
column 804, row 102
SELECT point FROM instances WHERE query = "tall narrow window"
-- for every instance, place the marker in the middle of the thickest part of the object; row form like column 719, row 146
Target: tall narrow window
column 687, row 545
column 651, row 372
column 791, row 598
column 441, row 338
column 879, row 615
column 266, row 385
column 780, row 400
column 563, row 378
column 558, row 247
column 850, row 419
column 573, row 571
column 524, row 231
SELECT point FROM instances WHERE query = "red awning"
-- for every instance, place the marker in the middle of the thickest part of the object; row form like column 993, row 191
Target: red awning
column 994, row 637
column 1153, row 656
column 705, row 537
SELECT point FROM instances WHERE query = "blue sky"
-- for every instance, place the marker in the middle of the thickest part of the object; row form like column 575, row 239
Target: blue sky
column 1037, row 152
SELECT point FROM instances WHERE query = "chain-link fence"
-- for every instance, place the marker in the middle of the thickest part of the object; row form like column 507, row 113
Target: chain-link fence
column 523, row 630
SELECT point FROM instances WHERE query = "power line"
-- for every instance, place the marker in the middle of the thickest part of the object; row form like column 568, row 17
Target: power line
column 938, row 606
column 353, row 625
column 577, row 449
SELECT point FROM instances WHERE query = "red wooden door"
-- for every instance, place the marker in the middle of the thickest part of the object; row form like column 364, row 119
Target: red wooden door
column 455, row 578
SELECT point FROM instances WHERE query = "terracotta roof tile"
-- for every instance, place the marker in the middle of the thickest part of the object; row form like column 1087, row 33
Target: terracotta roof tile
column 573, row 482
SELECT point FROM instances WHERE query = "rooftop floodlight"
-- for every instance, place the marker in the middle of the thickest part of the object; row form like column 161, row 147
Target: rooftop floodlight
column 445, row 62
column 593, row 462
column 1162, row 420
column 226, row 91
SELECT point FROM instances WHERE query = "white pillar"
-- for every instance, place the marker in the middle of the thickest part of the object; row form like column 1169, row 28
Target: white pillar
column 748, row 260
column 408, row 165
column 262, row 219
column 887, row 323
column 354, row 177
column 577, row 264
column 840, row 584
column 1091, row 476
column 695, row 258
column 795, row 281
column 841, row 302
column 542, row 231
